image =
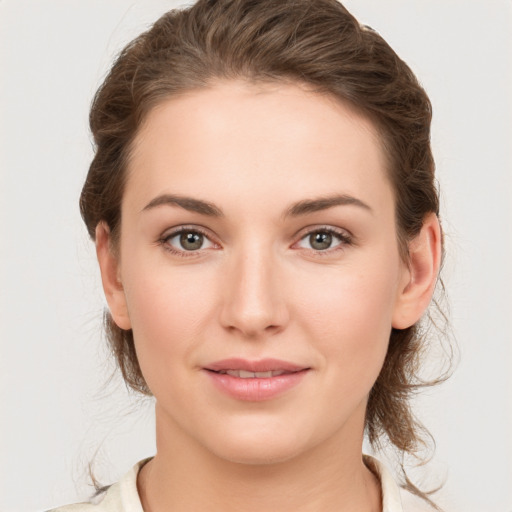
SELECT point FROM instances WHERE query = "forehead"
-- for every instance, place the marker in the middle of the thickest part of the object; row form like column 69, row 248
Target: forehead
column 270, row 138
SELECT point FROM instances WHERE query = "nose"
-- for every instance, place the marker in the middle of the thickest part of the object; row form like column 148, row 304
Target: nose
column 254, row 304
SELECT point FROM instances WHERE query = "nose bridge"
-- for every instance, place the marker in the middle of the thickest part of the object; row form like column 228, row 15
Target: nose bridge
column 253, row 304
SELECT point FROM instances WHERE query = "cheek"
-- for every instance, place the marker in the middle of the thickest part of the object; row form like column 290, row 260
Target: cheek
column 167, row 311
column 349, row 316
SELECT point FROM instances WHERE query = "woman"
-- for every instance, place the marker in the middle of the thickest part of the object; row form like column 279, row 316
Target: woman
column 264, row 209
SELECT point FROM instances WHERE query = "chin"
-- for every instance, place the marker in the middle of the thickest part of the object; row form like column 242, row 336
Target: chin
column 257, row 455
column 258, row 446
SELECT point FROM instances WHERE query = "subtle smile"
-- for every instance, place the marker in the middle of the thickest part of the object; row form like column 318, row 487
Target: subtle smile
column 255, row 380
column 244, row 374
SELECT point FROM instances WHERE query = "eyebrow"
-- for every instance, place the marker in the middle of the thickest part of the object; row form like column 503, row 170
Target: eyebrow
column 323, row 203
column 187, row 203
column 296, row 210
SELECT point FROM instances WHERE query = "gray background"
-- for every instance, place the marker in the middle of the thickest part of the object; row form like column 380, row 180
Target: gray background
column 56, row 412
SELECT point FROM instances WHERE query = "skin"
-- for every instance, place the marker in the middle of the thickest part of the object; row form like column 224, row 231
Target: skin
column 260, row 287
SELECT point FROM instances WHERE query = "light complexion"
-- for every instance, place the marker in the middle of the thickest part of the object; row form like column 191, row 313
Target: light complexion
column 258, row 235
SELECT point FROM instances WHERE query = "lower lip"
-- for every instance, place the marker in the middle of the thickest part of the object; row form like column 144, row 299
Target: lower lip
column 256, row 389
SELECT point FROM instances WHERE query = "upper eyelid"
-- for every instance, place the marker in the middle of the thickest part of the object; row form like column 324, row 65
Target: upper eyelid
column 345, row 238
column 298, row 236
column 308, row 230
column 170, row 232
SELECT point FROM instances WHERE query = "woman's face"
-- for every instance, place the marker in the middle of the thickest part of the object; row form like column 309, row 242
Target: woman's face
column 259, row 268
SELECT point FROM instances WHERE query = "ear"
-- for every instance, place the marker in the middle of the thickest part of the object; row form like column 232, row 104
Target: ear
column 110, row 277
column 419, row 280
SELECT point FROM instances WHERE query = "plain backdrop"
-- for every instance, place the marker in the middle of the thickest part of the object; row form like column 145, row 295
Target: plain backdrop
column 58, row 413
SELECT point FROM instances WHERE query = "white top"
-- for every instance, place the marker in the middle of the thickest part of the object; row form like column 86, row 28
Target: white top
column 123, row 496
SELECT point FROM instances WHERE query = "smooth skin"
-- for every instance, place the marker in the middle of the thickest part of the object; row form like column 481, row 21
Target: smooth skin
column 219, row 257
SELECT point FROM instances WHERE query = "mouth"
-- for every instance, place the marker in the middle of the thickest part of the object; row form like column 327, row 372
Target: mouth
column 255, row 380
column 244, row 374
column 262, row 368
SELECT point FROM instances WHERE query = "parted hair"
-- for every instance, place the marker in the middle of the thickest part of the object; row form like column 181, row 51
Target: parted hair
column 315, row 43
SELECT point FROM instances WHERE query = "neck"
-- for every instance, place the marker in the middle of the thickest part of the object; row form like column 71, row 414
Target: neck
column 183, row 476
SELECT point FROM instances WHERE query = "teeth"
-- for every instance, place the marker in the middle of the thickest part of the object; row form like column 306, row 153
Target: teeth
column 244, row 374
column 262, row 375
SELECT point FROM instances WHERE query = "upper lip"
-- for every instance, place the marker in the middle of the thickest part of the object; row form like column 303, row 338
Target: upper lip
column 261, row 365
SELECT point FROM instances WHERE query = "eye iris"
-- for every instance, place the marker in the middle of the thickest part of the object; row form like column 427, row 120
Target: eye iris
column 320, row 240
column 191, row 241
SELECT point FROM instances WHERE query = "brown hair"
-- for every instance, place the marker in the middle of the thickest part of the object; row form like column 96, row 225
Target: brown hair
column 317, row 43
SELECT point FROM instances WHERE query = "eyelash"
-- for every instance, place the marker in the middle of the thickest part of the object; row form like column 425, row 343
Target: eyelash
column 344, row 238
column 164, row 241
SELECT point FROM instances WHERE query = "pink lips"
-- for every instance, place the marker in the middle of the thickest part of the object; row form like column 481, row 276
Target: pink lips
column 255, row 380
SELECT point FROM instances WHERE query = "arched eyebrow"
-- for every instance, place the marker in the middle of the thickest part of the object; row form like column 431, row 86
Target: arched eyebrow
column 187, row 203
column 323, row 203
column 302, row 207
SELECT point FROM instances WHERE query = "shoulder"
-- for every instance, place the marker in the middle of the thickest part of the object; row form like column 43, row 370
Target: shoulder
column 412, row 503
column 119, row 497
column 108, row 501
column 391, row 496
column 76, row 507
column 394, row 498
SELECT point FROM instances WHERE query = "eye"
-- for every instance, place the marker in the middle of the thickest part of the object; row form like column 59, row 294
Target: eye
column 323, row 239
column 187, row 240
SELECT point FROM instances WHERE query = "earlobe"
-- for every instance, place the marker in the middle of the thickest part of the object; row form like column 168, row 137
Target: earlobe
column 415, row 293
column 112, row 285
